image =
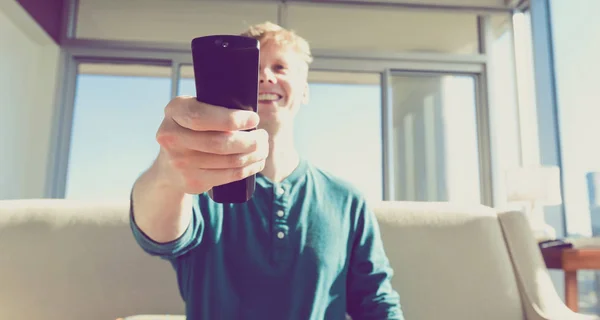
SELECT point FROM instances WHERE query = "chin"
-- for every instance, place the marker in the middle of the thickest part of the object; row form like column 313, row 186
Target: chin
column 273, row 105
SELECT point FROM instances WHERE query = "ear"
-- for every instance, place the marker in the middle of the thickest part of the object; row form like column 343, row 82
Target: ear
column 306, row 94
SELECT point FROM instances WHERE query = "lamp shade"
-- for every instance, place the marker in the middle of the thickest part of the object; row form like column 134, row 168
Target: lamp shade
column 534, row 184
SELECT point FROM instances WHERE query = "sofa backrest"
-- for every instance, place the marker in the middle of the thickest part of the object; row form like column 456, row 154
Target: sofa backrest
column 450, row 261
column 78, row 260
column 64, row 259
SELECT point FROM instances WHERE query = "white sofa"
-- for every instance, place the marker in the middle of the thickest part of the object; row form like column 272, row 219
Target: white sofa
column 69, row 260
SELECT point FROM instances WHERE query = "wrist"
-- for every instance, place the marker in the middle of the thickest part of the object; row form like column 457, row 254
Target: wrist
column 163, row 178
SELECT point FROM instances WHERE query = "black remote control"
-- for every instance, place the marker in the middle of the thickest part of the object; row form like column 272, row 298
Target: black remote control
column 226, row 71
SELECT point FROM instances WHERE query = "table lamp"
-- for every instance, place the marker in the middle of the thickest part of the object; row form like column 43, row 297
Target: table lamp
column 535, row 187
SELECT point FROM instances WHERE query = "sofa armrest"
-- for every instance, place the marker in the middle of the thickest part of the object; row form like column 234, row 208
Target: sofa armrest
column 539, row 296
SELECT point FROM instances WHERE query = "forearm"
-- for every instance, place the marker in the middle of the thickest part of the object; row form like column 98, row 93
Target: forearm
column 370, row 292
column 160, row 211
column 371, row 295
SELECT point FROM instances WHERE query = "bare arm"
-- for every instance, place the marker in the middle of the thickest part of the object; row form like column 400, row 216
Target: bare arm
column 160, row 210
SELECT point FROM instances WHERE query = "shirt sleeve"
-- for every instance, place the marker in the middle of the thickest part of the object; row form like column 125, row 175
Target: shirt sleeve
column 370, row 294
column 190, row 238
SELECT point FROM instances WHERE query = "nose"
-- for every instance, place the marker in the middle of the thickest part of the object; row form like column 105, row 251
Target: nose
column 266, row 75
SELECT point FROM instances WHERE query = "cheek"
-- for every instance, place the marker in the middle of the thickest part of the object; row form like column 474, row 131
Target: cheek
column 296, row 89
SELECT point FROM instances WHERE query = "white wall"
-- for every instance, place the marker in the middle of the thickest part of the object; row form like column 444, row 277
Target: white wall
column 28, row 64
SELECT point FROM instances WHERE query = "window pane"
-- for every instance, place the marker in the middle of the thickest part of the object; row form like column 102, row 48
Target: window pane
column 575, row 32
column 577, row 72
column 167, row 21
column 435, row 142
column 340, row 129
column 114, row 126
column 333, row 142
column 187, row 86
column 384, row 30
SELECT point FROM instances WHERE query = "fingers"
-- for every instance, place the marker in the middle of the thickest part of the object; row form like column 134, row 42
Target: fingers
column 203, row 146
column 203, row 179
column 187, row 112
column 192, row 160
column 171, row 136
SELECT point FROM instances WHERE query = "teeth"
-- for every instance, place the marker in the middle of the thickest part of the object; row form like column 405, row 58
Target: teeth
column 268, row 96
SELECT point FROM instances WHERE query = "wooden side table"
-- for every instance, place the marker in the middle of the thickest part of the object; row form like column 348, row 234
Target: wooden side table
column 570, row 260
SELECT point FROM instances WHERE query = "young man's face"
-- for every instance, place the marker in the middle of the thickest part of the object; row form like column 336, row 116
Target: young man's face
column 283, row 84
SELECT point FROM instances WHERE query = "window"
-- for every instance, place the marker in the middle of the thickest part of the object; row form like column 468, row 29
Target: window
column 118, row 109
column 575, row 34
column 576, row 70
column 435, row 140
column 340, row 128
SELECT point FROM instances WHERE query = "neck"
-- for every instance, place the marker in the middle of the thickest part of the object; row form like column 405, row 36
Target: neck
column 283, row 157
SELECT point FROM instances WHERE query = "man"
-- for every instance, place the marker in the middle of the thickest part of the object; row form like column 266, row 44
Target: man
column 305, row 246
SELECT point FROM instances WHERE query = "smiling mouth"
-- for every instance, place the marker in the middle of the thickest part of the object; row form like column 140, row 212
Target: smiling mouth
column 268, row 97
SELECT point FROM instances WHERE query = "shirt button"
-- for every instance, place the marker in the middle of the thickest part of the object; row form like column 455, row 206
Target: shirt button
column 280, row 191
column 280, row 235
column 280, row 213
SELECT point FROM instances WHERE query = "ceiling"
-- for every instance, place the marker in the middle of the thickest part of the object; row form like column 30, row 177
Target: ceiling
column 454, row 3
column 326, row 27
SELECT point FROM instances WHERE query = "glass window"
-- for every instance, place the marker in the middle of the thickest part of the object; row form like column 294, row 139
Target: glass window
column 340, row 128
column 333, row 142
column 577, row 69
column 575, row 34
column 435, row 141
column 383, row 29
column 118, row 109
column 167, row 21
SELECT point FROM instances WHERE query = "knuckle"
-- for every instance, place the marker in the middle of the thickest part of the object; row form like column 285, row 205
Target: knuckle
column 263, row 154
column 232, row 121
column 236, row 161
column 254, row 142
column 166, row 139
column 179, row 162
column 226, row 141
column 239, row 173
column 252, row 147
column 217, row 142
column 168, row 108
column 165, row 135
column 174, row 104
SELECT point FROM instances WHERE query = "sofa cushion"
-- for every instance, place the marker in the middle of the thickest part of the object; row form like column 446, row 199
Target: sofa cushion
column 450, row 261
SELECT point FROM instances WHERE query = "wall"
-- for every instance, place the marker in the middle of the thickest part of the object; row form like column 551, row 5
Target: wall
column 28, row 60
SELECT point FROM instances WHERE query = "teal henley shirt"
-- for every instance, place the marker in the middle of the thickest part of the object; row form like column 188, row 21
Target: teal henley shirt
column 307, row 248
